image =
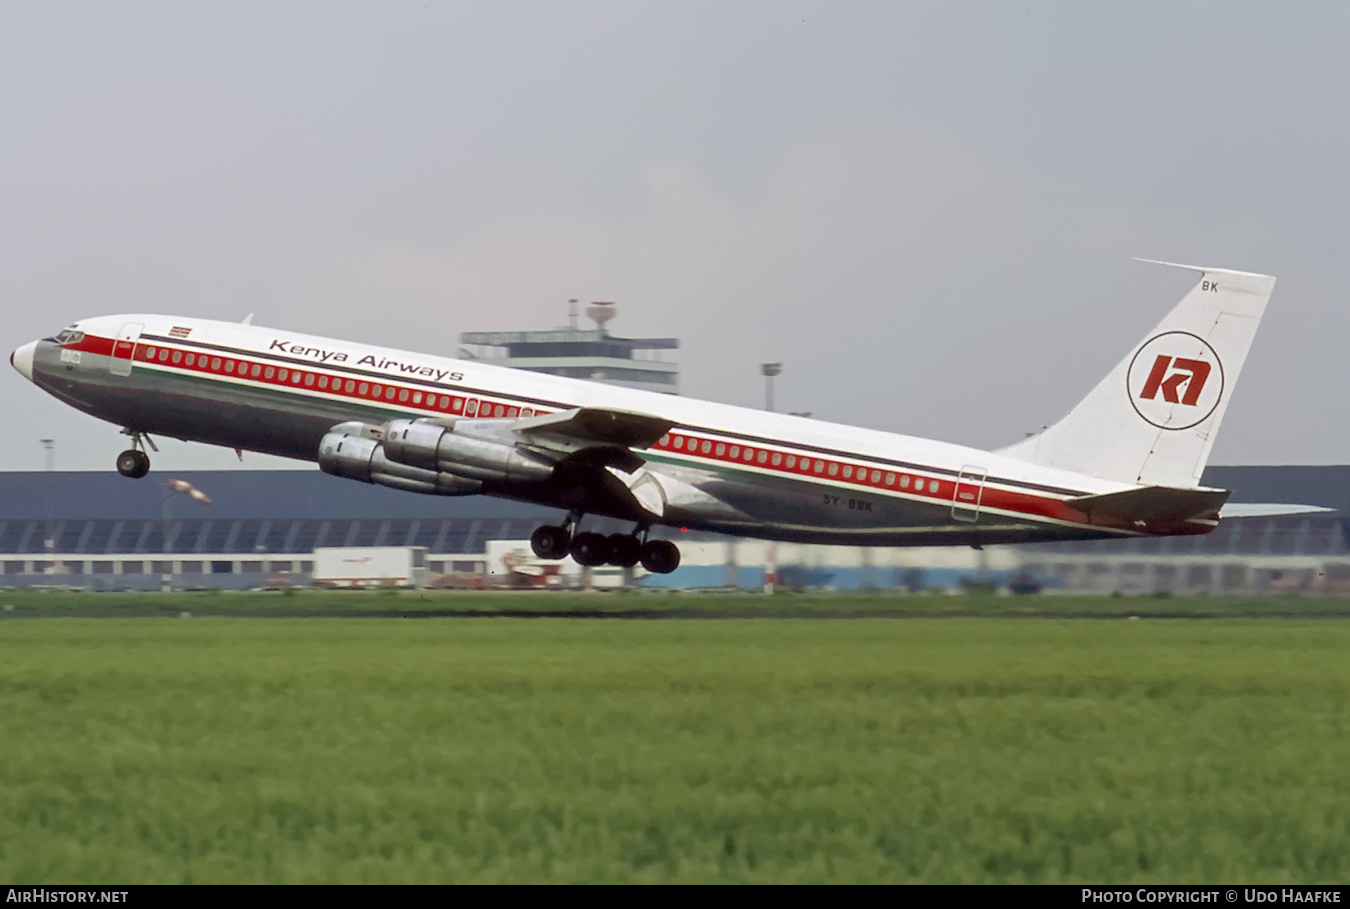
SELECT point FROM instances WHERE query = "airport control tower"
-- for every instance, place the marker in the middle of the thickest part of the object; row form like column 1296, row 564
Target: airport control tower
column 581, row 353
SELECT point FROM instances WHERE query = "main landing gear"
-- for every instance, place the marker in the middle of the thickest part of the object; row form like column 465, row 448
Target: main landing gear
column 591, row 549
column 134, row 462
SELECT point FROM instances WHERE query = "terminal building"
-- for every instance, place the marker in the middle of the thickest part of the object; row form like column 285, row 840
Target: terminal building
column 101, row 531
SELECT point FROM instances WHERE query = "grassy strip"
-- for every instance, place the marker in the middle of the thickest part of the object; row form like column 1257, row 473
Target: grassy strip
column 19, row 603
column 506, row 750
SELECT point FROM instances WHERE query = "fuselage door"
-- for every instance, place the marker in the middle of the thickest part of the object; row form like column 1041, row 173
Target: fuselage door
column 969, row 491
column 124, row 347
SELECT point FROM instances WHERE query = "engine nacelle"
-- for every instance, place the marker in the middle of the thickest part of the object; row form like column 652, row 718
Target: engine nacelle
column 351, row 450
column 466, row 448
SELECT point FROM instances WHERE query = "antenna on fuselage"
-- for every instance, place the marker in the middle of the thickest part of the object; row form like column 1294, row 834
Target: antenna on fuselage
column 248, row 319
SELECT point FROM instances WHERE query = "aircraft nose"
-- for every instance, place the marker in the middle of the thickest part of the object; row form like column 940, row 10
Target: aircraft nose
column 22, row 360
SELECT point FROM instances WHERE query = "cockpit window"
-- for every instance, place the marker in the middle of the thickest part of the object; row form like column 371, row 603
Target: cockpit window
column 70, row 336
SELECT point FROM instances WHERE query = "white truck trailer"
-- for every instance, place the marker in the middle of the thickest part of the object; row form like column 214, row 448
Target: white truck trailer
column 370, row 566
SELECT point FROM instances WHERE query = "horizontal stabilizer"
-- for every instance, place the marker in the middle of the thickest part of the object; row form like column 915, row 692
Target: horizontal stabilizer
column 1151, row 505
column 598, row 425
column 1267, row 510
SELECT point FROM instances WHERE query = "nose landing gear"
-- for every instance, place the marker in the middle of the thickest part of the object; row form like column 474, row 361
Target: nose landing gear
column 592, row 549
column 134, row 462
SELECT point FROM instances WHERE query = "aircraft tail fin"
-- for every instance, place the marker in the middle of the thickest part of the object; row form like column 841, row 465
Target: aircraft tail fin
column 1153, row 419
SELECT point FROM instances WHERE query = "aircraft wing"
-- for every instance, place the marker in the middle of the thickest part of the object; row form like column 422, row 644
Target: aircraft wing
column 597, row 426
column 592, row 435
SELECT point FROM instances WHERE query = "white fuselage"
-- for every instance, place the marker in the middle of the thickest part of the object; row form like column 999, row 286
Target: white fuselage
column 751, row 472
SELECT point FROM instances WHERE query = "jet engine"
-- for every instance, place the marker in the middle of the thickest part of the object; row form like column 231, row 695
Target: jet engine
column 428, row 457
column 484, row 449
column 351, row 450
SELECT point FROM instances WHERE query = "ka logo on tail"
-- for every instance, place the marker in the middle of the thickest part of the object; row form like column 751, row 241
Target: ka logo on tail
column 1189, row 374
column 1175, row 380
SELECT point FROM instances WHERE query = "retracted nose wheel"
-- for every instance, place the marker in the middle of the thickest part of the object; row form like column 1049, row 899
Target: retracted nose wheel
column 133, row 464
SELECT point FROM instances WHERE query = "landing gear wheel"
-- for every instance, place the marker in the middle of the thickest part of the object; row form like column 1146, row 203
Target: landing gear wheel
column 660, row 556
column 590, row 549
column 133, row 464
column 624, row 550
column 549, row 542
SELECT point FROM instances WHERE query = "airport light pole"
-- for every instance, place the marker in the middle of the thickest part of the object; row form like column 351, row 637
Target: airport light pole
column 49, row 542
column 769, row 370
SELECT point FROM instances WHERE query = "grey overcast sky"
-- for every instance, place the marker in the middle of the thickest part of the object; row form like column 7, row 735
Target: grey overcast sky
column 926, row 211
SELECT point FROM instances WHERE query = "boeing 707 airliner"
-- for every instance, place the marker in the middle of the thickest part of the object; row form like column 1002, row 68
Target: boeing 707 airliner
column 1125, row 462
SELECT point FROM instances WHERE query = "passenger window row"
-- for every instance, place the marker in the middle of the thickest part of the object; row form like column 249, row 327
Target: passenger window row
column 782, row 462
column 375, row 392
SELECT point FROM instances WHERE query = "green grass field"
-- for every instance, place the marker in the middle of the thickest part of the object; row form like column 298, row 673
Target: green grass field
column 394, row 603
column 507, row 750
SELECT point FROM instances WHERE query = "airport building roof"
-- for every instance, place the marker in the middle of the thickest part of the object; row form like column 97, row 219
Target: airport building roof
column 576, row 353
